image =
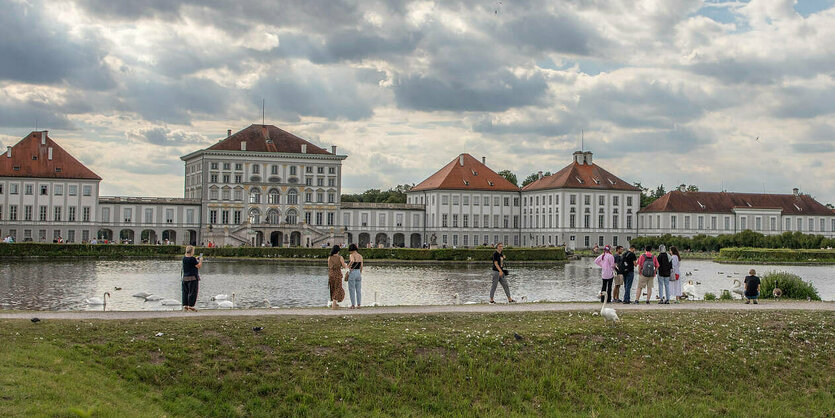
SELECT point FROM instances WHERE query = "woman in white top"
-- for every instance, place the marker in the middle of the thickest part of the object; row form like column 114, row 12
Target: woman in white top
column 675, row 277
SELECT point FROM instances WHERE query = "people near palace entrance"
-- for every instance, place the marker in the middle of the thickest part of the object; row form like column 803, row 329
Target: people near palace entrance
column 499, row 274
column 618, row 274
column 665, row 269
column 94, row 241
column 752, row 287
column 647, row 268
column 675, row 278
column 335, row 265
column 354, row 276
column 190, row 278
column 9, row 239
column 606, row 262
column 628, row 261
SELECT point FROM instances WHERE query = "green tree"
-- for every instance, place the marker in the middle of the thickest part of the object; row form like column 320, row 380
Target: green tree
column 692, row 188
column 534, row 177
column 393, row 195
column 509, row 176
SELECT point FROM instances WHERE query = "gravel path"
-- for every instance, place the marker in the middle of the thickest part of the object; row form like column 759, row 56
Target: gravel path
column 399, row 310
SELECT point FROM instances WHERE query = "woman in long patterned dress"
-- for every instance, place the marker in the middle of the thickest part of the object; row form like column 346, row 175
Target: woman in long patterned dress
column 335, row 265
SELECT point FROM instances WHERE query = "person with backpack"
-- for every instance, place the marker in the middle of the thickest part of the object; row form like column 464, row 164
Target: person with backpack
column 665, row 269
column 606, row 262
column 648, row 266
column 628, row 261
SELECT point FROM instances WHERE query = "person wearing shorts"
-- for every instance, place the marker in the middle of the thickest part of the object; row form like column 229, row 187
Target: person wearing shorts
column 646, row 274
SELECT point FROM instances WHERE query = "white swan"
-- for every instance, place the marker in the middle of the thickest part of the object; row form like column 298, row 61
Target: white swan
column 227, row 304
column 738, row 288
column 266, row 302
column 98, row 301
column 456, row 300
column 171, row 302
column 689, row 289
column 142, row 295
column 221, row 296
column 153, row 298
column 608, row 314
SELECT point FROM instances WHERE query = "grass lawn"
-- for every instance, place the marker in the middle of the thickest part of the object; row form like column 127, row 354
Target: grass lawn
column 684, row 363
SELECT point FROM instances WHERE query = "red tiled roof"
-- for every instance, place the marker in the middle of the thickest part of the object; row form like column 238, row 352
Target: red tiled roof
column 32, row 160
column 466, row 173
column 723, row 202
column 266, row 138
column 581, row 176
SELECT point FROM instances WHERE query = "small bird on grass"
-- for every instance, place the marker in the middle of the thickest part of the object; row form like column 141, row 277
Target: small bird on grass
column 257, row 329
column 518, row 337
column 36, row 320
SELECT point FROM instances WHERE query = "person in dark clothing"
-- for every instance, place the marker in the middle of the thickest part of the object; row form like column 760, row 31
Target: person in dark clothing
column 191, row 265
column 618, row 274
column 665, row 269
column 627, row 268
column 752, row 287
column 499, row 274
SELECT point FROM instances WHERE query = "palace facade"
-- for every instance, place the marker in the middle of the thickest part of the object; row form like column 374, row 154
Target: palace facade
column 265, row 186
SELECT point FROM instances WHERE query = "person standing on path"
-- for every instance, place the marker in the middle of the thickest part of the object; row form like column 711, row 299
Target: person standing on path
column 675, row 278
column 618, row 273
column 190, row 278
column 499, row 274
column 628, row 261
column 648, row 266
column 335, row 265
column 665, row 269
column 354, row 276
column 606, row 262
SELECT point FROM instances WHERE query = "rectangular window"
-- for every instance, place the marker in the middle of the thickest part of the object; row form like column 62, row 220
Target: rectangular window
column 71, row 214
column 516, row 201
column 701, row 222
column 29, row 189
column 364, row 219
column 586, row 241
column 586, row 221
column 823, row 225
column 506, row 221
column 628, row 200
column 13, row 188
column 190, row 216
column 466, row 240
column 455, row 200
column 320, row 197
column 486, row 201
column 224, row 217
column 686, row 222
column 507, row 201
column 615, row 200
column 443, row 239
column 399, row 219
column 444, row 200
column 225, row 194
column 128, row 212
column 799, row 224
column 743, row 222
column 516, row 221
column 239, row 166
column 811, row 224
column 600, row 221
column 213, row 178
column 239, row 194
column 292, row 170
column 455, row 221
column 169, row 216
column 226, row 178
column 415, row 220
column 1, row 188
column 213, row 216
column 486, row 222
column 44, row 190
column 615, row 221
column 600, row 240
column 72, row 190
column 331, row 182
column 27, row 213
column 308, row 169
column 308, row 181
column 496, row 201
column 586, row 200
column 346, row 219
column 713, row 223
column 42, row 213
column 87, row 190
column 601, row 201
column 331, row 197
column 331, row 170
column 13, row 212
column 71, row 235
column 455, row 240
column 788, row 224
column 320, row 182
column 85, row 214
column 238, row 179
column 495, row 221
column 465, row 200
column 149, row 215
column 330, row 218
column 573, row 199
column 274, row 169
column 475, row 222
column 572, row 220
column 85, row 235
column 308, row 197
column 444, row 220
column 773, row 223
column 214, row 166
column 58, row 189
column 673, row 222
column 256, row 169
column 629, row 222
column 758, row 224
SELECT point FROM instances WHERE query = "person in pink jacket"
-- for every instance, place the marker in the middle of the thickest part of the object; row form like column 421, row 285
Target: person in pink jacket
column 606, row 262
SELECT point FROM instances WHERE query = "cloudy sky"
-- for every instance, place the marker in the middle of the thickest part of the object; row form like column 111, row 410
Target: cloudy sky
column 665, row 91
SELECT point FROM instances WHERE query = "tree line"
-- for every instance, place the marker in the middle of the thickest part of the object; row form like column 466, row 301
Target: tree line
column 747, row 238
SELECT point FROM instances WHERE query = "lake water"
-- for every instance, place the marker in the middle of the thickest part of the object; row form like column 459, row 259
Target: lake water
column 64, row 284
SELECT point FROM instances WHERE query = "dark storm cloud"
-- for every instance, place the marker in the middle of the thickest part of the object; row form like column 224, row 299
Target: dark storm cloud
column 36, row 49
column 547, row 32
column 551, row 126
column 25, row 114
column 163, row 136
column 492, row 92
column 177, row 101
column 354, row 45
column 804, row 102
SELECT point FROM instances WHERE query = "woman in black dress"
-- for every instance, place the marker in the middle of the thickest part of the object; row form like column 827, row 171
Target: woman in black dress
column 190, row 278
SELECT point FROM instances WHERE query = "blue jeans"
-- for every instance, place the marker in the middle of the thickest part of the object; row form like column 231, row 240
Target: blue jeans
column 627, row 285
column 664, row 287
column 355, row 287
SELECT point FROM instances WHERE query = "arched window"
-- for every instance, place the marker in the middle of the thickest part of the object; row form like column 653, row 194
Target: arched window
column 255, row 196
column 292, row 217
column 292, row 197
column 274, row 197
column 254, row 216
column 273, row 217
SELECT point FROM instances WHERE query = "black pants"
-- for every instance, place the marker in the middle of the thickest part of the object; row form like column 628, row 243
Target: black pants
column 190, row 293
column 607, row 287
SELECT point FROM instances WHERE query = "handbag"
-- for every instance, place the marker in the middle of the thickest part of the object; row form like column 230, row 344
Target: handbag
column 505, row 272
column 347, row 273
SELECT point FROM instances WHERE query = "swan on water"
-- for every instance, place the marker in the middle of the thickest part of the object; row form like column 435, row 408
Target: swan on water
column 689, row 289
column 608, row 314
column 738, row 288
column 456, row 300
column 98, row 301
column 153, row 298
column 227, row 304
column 142, row 295
column 221, row 296
column 171, row 302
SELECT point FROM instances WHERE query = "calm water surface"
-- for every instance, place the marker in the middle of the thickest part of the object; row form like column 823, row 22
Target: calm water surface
column 64, row 284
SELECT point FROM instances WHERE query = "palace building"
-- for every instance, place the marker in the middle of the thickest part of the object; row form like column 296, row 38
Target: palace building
column 265, row 186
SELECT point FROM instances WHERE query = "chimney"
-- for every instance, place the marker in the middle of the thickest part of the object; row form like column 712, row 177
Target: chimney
column 461, row 160
column 484, row 160
column 9, row 151
column 795, row 191
column 304, row 148
column 587, row 157
column 333, row 149
column 43, row 137
column 243, row 145
column 49, row 153
column 578, row 157
column 682, row 188
column 228, row 133
column 539, row 174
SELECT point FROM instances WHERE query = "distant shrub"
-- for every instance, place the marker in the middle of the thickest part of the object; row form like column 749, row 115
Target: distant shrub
column 726, row 295
column 792, row 285
column 745, row 238
column 780, row 255
column 710, row 296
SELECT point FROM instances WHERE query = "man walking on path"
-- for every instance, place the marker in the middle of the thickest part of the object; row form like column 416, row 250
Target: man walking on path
column 499, row 274
column 606, row 262
column 648, row 266
column 628, row 260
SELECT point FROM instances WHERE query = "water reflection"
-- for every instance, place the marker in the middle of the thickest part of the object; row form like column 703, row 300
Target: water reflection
column 64, row 284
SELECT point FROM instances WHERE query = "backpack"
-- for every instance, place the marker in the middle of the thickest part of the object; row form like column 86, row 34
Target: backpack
column 624, row 266
column 648, row 269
